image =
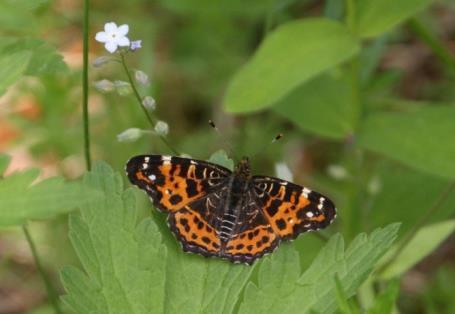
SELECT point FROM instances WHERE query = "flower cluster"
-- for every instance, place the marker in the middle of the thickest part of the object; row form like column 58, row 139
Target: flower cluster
column 114, row 37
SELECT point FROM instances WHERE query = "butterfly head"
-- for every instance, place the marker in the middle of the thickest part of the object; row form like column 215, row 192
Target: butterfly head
column 243, row 168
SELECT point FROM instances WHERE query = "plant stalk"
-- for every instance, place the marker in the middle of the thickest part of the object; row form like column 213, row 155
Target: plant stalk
column 85, row 117
column 51, row 293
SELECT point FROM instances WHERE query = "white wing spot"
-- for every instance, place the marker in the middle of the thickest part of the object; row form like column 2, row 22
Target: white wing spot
column 309, row 214
column 145, row 166
column 193, row 162
column 152, row 177
column 306, row 191
column 321, row 203
column 146, row 159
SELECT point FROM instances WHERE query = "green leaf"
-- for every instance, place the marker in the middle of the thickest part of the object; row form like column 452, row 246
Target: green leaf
column 378, row 16
column 342, row 299
column 20, row 201
column 221, row 158
column 45, row 58
column 4, row 162
column 281, row 287
column 417, row 138
column 289, row 56
column 424, row 242
column 322, row 106
column 421, row 189
column 12, row 67
column 131, row 268
column 385, row 302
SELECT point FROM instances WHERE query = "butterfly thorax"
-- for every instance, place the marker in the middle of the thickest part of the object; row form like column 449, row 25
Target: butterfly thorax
column 243, row 169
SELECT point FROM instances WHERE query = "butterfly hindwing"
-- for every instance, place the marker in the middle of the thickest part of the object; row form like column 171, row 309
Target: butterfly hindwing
column 292, row 209
column 173, row 182
column 194, row 233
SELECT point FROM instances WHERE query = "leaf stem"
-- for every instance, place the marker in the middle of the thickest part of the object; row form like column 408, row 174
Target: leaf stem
column 85, row 118
column 151, row 120
column 350, row 14
column 438, row 48
column 51, row 293
column 410, row 235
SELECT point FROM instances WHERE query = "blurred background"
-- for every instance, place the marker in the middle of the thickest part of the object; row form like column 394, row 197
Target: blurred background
column 191, row 50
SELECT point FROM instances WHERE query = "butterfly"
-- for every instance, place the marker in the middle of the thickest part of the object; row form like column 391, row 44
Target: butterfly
column 233, row 215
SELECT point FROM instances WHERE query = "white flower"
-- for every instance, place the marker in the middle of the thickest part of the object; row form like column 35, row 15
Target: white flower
column 113, row 36
column 162, row 128
column 135, row 45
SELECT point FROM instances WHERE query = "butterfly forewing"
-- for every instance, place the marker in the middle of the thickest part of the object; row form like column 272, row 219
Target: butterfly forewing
column 173, row 182
column 292, row 209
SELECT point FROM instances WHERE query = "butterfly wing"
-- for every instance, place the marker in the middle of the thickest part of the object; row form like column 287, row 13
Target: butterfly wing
column 292, row 209
column 174, row 182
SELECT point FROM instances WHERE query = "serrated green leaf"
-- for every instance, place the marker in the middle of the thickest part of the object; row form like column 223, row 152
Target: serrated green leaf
column 12, row 67
column 343, row 299
column 130, row 268
column 292, row 54
column 377, row 16
column 322, row 106
column 424, row 242
column 416, row 138
column 221, row 158
column 385, row 302
column 284, row 290
column 4, row 162
column 20, row 201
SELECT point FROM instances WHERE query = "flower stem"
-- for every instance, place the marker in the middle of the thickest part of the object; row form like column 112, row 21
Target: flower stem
column 52, row 295
column 151, row 120
column 85, row 118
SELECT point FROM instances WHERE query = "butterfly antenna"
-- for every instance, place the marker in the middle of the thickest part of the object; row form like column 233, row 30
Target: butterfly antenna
column 225, row 142
column 278, row 137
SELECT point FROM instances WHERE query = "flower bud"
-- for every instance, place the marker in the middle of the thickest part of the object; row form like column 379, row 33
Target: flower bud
column 337, row 172
column 104, row 86
column 142, row 78
column 123, row 88
column 135, row 45
column 162, row 128
column 130, row 135
column 100, row 61
column 149, row 103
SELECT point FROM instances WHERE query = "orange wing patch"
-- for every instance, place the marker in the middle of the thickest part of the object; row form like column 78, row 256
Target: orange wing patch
column 193, row 231
column 178, row 189
column 251, row 244
column 291, row 209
